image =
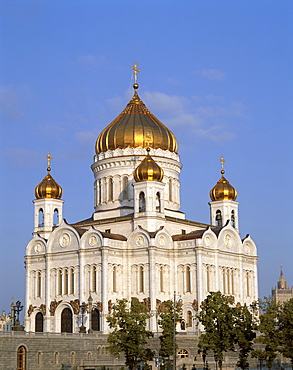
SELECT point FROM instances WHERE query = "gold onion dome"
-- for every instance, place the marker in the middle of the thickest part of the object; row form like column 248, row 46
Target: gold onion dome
column 48, row 187
column 136, row 127
column 223, row 190
column 148, row 170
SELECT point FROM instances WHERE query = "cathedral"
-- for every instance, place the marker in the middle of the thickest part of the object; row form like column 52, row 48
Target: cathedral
column 137, row 243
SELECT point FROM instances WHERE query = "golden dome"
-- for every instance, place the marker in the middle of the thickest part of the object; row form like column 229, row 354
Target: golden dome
column 148, row 170
column 136, row 127
column 48, row 187
column 223, row 190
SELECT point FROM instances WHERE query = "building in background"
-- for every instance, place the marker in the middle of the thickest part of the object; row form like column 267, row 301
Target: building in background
column 282, row 292
column 137, row 243
column 5, row 322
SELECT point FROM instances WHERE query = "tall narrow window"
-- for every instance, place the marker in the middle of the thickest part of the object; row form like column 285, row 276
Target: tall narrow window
column 110, row 197
column 39, row 284
column 41, row 218
column 170, row 190
column 218, row 218
column 125, row 187
column 188, row 280
column 71, row 281
column 228, row 281
column 224, row 280
column 158, row 202
column 114, row 279
column 39, row 358
column 21, row 358
column 247, row 284
column 72, row 358
column 66, row 281
column 141, row 202
column 56, row 217
column 233, row 218
column 39, row 323
column 161, row 279
column 59, row 282
column 232, row 281
column 56, row 358
column 100, row 191
column 141, row 279
column 189, row 319
column 208, row 279
column 94, row 279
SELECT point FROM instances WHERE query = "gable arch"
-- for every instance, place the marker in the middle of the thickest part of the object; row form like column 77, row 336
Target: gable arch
column 64, row 237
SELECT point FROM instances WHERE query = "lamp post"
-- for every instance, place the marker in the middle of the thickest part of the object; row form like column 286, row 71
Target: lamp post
column 90, row 304
column 260, row 362
column 18, row 308
column 204, row 360
column 82, row 329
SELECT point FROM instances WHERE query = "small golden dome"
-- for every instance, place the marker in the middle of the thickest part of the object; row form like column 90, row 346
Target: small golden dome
column 223, row 190
column 136, row 127
column 48, row 187
column 148, row 170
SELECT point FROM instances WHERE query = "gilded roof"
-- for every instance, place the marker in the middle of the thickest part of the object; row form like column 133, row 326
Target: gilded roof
column 148, row 170
column 223, row 190
column 136, row 127
column 48, row 188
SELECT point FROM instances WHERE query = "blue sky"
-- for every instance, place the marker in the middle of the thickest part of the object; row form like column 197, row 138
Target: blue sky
column 217, row 73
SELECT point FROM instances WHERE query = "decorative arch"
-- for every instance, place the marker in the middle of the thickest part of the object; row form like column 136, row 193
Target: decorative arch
column 66, row 320
column 142, row 202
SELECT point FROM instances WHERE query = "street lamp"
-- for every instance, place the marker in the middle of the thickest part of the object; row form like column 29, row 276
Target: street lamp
column 260, row 362
column 18, row 308
column 82, row 329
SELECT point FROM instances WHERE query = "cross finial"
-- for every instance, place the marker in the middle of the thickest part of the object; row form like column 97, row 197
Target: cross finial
column 135, row 71
column 49, row 161
column 222, row 160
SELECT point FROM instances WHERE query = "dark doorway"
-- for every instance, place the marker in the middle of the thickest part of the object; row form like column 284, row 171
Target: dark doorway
column 39, row 323
column 96, row 320
column 66, row 321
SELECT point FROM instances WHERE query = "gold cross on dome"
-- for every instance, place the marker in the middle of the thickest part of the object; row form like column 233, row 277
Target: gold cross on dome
column 135, row 71
column 49, row 159
column 223, row 161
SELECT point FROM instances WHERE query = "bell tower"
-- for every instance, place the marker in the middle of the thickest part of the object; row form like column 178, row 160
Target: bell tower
column 223, row 206
column 48, row 206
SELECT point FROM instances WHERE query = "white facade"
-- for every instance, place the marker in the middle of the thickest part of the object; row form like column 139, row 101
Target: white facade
column 126, row 250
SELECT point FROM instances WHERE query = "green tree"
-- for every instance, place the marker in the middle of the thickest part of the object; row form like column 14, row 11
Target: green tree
column 216, row 315
column 286, row 329
column 129, row 335
column 244, row 331
column 167, row 321
column 270, row 332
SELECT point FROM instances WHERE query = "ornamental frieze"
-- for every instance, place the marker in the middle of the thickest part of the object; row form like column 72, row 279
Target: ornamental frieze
column 53, row 305
column 75, row 306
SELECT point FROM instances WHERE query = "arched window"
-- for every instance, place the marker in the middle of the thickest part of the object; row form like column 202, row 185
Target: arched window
column 39, row 284
column 39, row 358
column 208, row 279
column 141, row 202
column 21, row 358
column 94, row 279
column 56, row 358
column 110, row 185
column 115, row 279
column 96, row 320
column 189, row 319
column 170, row 190
column 72, row 358
column 125, row 188
column 59, row 276
column 56, row 217
column 41, row 218
column 247, row 284
column 158, row 202
column 233, row 218
column 219, row 218
column 66, row 321
column 100, row 191
column 188, row 280
column 89, row 355
column 161, row 279
column 224, row 280
column 39, row 323
column 71, row 281
column 66, row 281
column 141, row 279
